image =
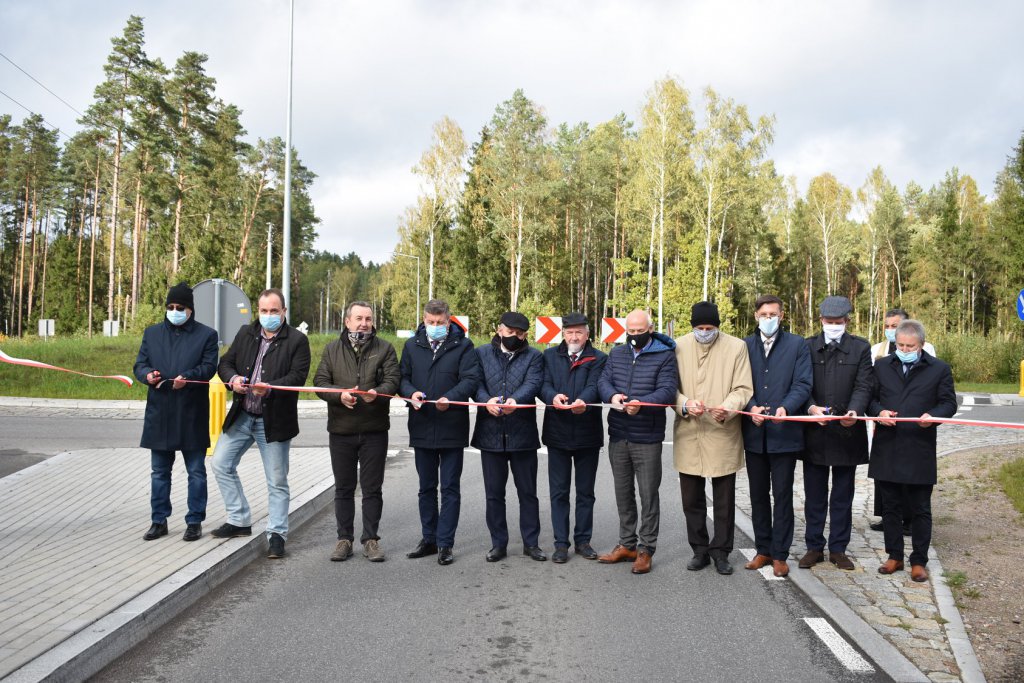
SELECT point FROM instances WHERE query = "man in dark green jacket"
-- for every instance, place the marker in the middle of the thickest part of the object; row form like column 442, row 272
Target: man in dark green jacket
column 358, row 424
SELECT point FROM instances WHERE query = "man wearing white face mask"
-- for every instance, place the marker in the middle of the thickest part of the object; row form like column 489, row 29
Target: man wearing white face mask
column 177, row 412
column 714, row 382
column 267, row 352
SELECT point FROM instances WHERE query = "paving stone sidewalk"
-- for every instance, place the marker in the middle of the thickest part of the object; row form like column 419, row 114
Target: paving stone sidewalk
column 904, row 612
column 71, row 528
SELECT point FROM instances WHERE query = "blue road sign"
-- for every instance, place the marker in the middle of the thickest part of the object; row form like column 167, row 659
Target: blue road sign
column 1020, row 305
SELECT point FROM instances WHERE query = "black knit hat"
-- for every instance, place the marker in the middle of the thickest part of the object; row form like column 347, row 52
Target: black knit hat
column 705, row 313
column 181, row 294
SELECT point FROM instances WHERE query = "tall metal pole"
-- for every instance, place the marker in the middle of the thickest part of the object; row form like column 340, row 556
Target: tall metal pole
column 270, row 251
column 286, row 263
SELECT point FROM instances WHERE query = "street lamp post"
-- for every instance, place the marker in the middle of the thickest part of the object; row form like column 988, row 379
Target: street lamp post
column 418, row 309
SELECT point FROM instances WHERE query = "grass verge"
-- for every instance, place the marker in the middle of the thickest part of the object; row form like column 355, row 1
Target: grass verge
column 1011, row 478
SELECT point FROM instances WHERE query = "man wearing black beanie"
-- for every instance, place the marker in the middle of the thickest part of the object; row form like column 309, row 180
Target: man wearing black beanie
column 177, row 413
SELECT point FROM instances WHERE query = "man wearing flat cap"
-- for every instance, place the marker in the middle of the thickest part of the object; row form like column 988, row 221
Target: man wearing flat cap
column 177, row 412
column 573, row 433
column 780, row 365
column 643, row 370
column 841, row 364
column 714, row 382
column 512, row 372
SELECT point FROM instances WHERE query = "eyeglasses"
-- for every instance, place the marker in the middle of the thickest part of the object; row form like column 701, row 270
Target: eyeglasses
column 175, row 307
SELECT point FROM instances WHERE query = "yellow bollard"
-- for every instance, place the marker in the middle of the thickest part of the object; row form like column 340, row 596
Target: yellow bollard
column 218, row 410
column 1021, row 379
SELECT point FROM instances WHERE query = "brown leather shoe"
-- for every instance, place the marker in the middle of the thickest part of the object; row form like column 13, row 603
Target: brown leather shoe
column 841, row 561
column 890, row 567
column 780, row 568
column 811, row 558
column 758, row 562
column 918, row 573
column 619, row 553
column 642, row 564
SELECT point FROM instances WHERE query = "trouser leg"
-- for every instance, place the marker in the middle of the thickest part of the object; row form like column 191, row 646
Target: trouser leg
column 695, row 510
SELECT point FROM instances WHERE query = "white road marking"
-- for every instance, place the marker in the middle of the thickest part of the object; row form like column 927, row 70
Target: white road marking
column 843, row 651
column 766, row 572
column 964, row 409
column 393, row 452
column 968, row 401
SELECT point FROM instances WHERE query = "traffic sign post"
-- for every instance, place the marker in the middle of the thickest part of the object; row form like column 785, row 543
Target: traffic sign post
column 548, row 329
column 613, row 330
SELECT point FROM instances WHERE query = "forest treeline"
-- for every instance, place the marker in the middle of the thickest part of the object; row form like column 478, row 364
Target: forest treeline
column 683, row 203
column 159, row 185
column 674, row 208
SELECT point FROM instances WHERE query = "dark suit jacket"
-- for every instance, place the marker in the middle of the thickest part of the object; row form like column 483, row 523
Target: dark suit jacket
column 905, row 453
column 842, row 381
column 781, row 380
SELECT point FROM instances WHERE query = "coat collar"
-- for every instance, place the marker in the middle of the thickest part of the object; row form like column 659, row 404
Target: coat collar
column 818, row 342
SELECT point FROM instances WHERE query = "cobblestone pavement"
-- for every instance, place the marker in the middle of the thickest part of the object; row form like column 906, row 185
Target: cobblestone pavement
column 904, row 612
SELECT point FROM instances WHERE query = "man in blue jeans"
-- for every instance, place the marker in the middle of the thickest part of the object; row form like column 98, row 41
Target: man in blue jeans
column 438, row 365
column 573, row 433
column 267, row 352
column 177, row 413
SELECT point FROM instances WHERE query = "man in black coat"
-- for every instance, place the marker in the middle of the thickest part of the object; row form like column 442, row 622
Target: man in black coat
column 267, row 352
column 573, row 433
column 780, row 366
column 438, row 364
column 511, row 374
column 358, row 425
column 842, row 386
column 910, row 383
column 177, row 413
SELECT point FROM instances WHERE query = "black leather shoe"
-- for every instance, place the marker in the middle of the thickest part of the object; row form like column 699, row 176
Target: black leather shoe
column 535, row 553
column 723, row 566
column 876, row 526
column 497, row 553
column 155, row 531
column 444, row 556
column 275, row 551
column 560, row 556
column 585, row 551
column 698, row 562
column 193, row 532
column 422, row 550
column 230, row 531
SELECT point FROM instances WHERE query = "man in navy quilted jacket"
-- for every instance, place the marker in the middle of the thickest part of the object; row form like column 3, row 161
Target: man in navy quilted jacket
column 643, row 370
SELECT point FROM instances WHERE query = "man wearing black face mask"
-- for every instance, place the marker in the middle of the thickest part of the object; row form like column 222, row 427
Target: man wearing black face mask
column 506, row 436
column 643, row 370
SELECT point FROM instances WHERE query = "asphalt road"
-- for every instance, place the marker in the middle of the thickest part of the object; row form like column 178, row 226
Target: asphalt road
column 306, row 618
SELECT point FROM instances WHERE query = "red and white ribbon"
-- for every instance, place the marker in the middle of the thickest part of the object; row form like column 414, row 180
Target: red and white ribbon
column 45, row 366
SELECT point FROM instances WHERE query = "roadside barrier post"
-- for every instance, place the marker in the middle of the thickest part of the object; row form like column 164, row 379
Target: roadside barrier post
column 218, row 409
column 1021, row 379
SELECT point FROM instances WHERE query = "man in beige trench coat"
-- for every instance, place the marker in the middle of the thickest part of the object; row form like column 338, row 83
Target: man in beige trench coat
column 714, row 380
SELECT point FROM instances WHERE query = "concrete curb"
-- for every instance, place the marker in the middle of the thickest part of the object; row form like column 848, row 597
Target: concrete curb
column 963, row 651
column 881, row 651
column 978, row 399
column 90, row 650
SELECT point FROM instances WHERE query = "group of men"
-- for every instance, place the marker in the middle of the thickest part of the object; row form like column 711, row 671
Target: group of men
column 729, row 396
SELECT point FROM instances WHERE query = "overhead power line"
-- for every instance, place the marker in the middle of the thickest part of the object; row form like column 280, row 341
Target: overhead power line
column 41, row 85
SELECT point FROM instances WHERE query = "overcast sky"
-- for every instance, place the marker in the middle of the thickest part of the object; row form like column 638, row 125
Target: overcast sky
column 916, row 87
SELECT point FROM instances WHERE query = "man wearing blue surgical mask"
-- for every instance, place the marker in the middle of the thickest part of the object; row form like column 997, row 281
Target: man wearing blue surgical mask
column 780, row 366
column 438, row 368
column 893, row 317
column 173, row 352
column 909, row 383
column 266, row 353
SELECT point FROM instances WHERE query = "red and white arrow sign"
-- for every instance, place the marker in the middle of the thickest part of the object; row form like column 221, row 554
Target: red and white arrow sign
column 548, row 330
column 613, row 330
column 462, row 321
